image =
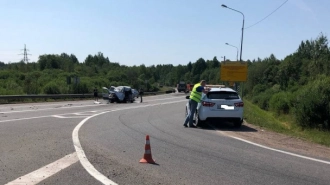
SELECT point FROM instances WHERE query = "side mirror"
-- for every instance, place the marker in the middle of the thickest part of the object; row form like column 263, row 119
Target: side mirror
column 187, row 97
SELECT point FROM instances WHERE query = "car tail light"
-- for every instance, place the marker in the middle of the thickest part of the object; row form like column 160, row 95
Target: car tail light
column 239, row 104
column 208, row 104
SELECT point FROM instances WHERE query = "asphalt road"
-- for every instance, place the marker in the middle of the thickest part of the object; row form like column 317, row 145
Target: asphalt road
column 81, row 142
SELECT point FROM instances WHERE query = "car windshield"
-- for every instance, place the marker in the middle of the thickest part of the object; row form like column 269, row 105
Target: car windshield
column 111, row 88
column 222, row 95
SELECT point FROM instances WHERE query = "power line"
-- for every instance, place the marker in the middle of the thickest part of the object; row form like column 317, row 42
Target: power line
column 268, row 15
column 25, row 58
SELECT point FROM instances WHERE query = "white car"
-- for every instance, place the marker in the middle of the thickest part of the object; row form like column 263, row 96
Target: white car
column 221, row 103
column 121, row 94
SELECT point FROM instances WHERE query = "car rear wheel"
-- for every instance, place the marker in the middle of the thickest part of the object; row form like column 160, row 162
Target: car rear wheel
column 198, row 122
column 238, row 123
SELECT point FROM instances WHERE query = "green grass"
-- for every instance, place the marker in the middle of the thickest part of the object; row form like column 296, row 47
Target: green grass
column 282, row 124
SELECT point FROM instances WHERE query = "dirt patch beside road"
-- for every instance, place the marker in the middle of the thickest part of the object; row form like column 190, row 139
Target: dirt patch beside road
column 280, row 141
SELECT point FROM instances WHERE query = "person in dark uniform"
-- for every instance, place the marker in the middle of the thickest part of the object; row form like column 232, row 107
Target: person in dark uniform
column 96, row 97
column 140, row 94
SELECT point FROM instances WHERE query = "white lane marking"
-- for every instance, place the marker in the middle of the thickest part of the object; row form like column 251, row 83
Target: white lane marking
column 90, row 168
column 81, row 154
column 163, row 99
column 24, row 118
column 85, row 113
column 43, row 173
column 9, row 112
column 58, row 116
column 82, row 157
column 281, row 151
column 68, row 103
column 63, row 117
column 269, row 148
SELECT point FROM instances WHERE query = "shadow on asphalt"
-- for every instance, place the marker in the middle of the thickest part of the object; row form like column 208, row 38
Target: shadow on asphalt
column 225, row 126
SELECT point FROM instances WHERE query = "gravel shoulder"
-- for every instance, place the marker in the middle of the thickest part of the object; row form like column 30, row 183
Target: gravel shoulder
column 280, row 141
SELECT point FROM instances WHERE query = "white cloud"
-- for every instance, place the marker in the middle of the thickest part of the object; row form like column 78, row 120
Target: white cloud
column 303, row 6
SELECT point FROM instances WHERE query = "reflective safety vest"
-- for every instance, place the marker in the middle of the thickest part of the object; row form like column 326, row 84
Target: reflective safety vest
column 194, row 95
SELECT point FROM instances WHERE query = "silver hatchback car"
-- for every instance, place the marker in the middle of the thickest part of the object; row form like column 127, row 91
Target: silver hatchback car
column 221, row 103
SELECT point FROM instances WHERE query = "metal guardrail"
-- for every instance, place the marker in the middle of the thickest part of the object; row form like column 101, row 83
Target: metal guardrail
column 59, row 96
column 55, row 96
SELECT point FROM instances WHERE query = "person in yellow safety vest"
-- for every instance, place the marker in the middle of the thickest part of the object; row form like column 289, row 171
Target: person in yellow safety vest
column 194, row 99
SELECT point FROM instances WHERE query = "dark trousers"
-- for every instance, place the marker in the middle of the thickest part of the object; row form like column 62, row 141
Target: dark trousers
column 191, row 112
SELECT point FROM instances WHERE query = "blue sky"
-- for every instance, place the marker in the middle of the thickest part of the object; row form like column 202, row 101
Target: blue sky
column 134, row 32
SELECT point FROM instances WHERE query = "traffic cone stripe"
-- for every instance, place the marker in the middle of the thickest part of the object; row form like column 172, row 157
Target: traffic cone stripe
column 147, row 142
column 147, row 152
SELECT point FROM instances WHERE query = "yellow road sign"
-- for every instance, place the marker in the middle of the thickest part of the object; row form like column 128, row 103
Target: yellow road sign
column 233, row 71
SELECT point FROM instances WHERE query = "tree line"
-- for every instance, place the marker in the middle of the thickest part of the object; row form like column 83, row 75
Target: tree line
column 297, row 85
column 51, row 72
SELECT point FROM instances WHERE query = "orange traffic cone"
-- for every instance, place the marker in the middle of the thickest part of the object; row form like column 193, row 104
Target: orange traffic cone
column 147, row 153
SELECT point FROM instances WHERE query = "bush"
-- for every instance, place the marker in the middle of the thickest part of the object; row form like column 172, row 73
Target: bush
column 258, row 89
column 262, row 100
column 51, row 88
column 312, row 107
column 80, row 88
column 280, row 102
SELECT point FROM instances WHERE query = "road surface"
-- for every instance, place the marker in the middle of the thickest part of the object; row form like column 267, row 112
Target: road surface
column 81, row 142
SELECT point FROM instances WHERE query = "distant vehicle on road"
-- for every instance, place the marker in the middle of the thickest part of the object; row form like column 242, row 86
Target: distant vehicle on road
column 121, row 94
column 221, row 103
column 118, row 94
column 181, row 86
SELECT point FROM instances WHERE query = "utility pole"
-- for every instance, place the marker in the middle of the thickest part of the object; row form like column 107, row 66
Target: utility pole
column 224, row 58
column 25, row 54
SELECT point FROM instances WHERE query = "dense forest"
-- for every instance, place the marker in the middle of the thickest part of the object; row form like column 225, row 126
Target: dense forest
column 298, row 85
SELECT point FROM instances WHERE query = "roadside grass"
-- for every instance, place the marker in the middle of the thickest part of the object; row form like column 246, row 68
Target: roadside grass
column 282, row 124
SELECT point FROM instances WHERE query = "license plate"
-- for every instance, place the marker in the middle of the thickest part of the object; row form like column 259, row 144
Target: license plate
column 225, row 107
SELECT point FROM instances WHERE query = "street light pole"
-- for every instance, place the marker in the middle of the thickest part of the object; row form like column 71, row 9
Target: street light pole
column 242, row 28
column 240, row 59
column 236, row 52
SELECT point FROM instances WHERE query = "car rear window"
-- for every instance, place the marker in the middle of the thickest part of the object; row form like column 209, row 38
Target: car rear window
column 222, row 95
